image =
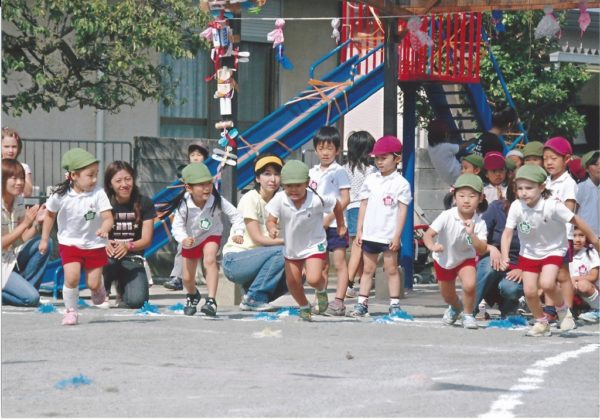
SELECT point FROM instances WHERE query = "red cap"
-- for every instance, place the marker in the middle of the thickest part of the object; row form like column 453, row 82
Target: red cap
column 493, row 161
column 560, row 145
column 576, row 170
column 387, row 144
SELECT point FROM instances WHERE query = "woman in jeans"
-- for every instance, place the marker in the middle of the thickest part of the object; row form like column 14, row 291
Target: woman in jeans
column 257, row 263
column 131, row 234
column 22, row 264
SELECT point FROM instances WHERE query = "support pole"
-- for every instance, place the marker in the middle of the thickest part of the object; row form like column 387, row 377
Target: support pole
column 390, row 79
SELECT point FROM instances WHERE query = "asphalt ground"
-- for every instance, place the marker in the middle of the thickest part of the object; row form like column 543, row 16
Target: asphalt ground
column 119, row 363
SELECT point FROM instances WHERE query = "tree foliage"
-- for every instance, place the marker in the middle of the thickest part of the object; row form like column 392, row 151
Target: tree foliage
column 97, row 53
column 544, row 94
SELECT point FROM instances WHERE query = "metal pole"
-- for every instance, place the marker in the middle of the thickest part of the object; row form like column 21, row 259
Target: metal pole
column 390, row 79
column 100, row 140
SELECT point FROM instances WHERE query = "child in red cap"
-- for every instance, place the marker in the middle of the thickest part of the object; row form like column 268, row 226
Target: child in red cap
column 495, row 172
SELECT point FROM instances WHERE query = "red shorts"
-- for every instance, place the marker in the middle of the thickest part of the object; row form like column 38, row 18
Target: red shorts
column 198, row 251
column 88, row 258
column 318, row 256
column 443, row 274
column 535, row 266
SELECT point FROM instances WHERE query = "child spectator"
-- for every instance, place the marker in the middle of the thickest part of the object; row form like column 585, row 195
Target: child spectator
column 588, row 192
column 533, row 152
column 358, row 167
column 461, row 235
column 385, row 197
column 84, row 217
column 300, row 212
column 328, row 178
column 584, row 275
column 517, row 157
column 197, row 226
column 197, row 152
column 540, row 221
column 495, row 172
column 11, row 149
column 470, row 164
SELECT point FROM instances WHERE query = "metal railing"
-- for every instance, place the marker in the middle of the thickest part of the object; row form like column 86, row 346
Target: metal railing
column 43, row 157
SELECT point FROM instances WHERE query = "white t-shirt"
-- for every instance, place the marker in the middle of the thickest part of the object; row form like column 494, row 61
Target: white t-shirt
column 564, row 188
column 451, row 233
column 79, row 217
column 10, row 220
column 583, row 262
column 384, row 195
column 329, row 182
column 251, row 206
column 588, row 197
column 302, row 229
column 443, row 158
column 201, row 223
column 357, row 179
column 541, row 228
column 491, row 192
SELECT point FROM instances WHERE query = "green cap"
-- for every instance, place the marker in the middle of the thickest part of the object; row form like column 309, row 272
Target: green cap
column 294, row 172
column 533, row 148
column 469, row 180
column 587, row 158
column 474, row 160
column 77, row 158
column 532, row 173
column 196, row 173
column 510, row 164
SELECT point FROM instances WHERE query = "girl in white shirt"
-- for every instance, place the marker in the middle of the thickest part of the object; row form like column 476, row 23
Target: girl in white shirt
column 11, row 149
column 584, row 274
column 540, row 220
column 461, row 235
column 300, row 213
column 84, row 217
column 197, row 226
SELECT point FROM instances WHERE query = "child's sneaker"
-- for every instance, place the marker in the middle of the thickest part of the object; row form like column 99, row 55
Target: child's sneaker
column 175, row 283
column 70, row 317
column 469, row 322
column 395, row 309
column 336, row 308
column 359, row 310
column 191, row 303
column 210, row 307
column 352, row 292
column 593, row 317
column 99, row 295
column 450, row 316
column 539, row 329
column 567, row 322
column 322, row 302
column 305, row 313
column 105, row 304
column 249, row 304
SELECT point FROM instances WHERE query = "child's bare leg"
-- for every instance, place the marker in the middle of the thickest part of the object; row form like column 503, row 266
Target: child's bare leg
column 293, row 278
column 355, row 264
column 448, row 292
column 390, row 265
column 339, row 262
column 94, row 278
column 314, row 267
column 72, row 273
column 369, row 267
column 468, row 278
column 189, row 275
column 566, row 287
column 547, row 281
column 325, row 270
column 530, row 291
column 211, row 268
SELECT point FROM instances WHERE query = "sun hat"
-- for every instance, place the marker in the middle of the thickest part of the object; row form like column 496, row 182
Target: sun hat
column 493, row 161
column 533, row 148
column 196, row 173
column 475, row 160
column 387, row 144
column 532, row 173
column 586, row 159
column 198, row 145
column 576, row 168
column 560, row 145
column 267, row 160
column 515, row 152
column 469, row 180
column 294, row 172
column 77, row 158
column 510, row 164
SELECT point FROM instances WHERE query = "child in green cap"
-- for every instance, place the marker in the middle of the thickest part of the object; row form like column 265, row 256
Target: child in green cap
column 84, row 217
column 300, row 210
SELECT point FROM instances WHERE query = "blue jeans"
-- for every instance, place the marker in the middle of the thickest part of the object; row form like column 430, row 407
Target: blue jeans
column 21, row 288
column 131, row 279
column 495, row 287
column 260, row 271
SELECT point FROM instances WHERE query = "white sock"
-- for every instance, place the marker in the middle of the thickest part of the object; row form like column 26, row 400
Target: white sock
column 594, row 300
column 394, row 301
column 363, row 300
column 70, row 297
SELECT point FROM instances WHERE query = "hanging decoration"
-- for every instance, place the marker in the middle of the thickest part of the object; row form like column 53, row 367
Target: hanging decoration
column 418, row 38
column 584, row 16
column 335, row 32
column 497, row 20
column 548, row 26
column 276, row 36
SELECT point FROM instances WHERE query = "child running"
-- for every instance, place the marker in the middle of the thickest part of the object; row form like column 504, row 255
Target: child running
column 197, row 226
column 300, row 212
column 84, row 217
column 584, row 275
column 540, row 221
column 461, row 235
column 385, row 196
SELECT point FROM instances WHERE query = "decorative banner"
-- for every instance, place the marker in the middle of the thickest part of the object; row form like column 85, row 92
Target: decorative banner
column 497, row 18
column 418, row 38
column 548, row 26
column 335, row 32
column 276, row 35
column 584, row 17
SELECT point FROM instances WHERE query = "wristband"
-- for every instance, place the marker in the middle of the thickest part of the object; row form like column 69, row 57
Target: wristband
column 130, row 246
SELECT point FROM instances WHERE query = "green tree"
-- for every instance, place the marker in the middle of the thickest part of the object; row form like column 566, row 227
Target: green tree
column 544, row 95
column 97, row 53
